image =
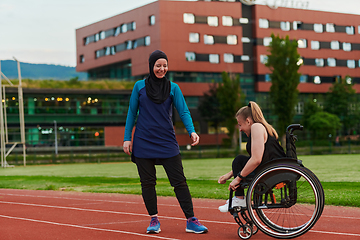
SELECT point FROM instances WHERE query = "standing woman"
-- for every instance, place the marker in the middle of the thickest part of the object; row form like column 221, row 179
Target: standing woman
column 262, row 146
column 155, row 142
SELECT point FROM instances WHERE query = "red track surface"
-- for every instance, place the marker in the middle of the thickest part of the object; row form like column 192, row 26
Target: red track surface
column 48, row 215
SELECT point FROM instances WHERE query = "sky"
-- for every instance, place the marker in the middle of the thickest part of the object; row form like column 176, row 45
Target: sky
column 43, row 31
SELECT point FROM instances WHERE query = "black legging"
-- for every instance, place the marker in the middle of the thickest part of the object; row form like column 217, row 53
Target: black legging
column 174, row 170
column 238, row 164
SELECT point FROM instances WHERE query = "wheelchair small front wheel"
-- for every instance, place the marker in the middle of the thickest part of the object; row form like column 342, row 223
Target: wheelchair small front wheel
column 245, row 231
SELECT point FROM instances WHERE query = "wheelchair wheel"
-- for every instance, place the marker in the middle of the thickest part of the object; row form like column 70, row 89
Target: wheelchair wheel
column 245, row 231
column 285, row 201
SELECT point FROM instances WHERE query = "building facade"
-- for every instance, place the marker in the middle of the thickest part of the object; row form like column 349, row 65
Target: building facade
column 204, row 38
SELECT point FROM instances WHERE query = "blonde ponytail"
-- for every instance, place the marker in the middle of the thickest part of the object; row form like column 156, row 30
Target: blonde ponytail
column 253, row 111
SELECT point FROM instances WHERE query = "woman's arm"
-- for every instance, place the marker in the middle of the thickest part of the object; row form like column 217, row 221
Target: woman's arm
column 225, row 177
column 258, row 139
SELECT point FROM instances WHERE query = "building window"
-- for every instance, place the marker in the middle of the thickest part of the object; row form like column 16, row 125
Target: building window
column 359, row 29
column 319, row 62
column 152, row 20
column 267, row 41
column 263, row 23
column 189, row 18
column 97, row 37
column 228, row 58
column 133, row 26
column 315, row 45
column 243, row 20
column 335, row 45
column 331, row 62
column 302, row 43
column 350, row 30
column 129, row 45
column 113, row 50
column 317, row 80
column 263, row 59
column 117, row 31
column 123, row 28
column 214, row 58
column 102, row 35
column 134, row 44
column 318, row 27
column 297, row 25
column 231, row 39
column 208, row 39
column 330, row 27
column 303, row 78
column 348, row 80
column 245, row 40
column 190, row 56
column 285, row 26
column 347, row 47
column 212, row 21
column 147, row 40
column 351, row 63
column 227, row 21
column 267, row 78
column 245, row 58
column 82, row 58
column 107, row 51
column 194, row 37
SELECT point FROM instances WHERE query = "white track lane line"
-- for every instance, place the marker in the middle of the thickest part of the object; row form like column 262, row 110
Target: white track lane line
column 88, row 228
column 145, row 215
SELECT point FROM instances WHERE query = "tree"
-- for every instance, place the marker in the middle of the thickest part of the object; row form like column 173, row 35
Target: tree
column 230, row 99
column 209, row 108
column 323, row 125
column 310, row 108
column 339, row 101
column 284, row 62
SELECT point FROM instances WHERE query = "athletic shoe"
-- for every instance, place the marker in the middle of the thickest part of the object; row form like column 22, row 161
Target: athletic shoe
column 154, row 226
column 236, row 202
column 194, row 226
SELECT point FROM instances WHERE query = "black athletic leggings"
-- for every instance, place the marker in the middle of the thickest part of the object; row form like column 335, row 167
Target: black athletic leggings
column 174, row 170
column 238, row 164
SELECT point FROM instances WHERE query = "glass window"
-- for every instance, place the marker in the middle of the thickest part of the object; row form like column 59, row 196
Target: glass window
column 267, row 78
column 347, row 47
column 123, row 28
column 117, row 31
column 319, row 62
column 228, row 58
column 129, row 45
column 147, row 40
column 245, row 39
column 227, row 21
column 318, row 27
column 359, row 29
column 350, row 30
column 107, row 51
column 348, row 80
column 303, row 78
column 263, row 23
column 189, row 18
column 244, row 20
column 351, row 63
column 285, row 26
column 194, row 37
column 299, row 108
column 245, row 58
column 102, row 35
column 317, row 80
column 134, row 44
column 302, row 43
column 231, row 39
column 152, row 20
column 267, row 41
column 263, row 59
column 300, row 61
column 214, row 58
column 335, row 45
column 208, row 39
column 190, row 56
column 97, row 37
column 86, row 41
column 315, row 45
column 297, row 25
column 330, row 27
column 113, row 50
column 82, row 58
column 331, row 62
column 212, row 21
column 133, row 26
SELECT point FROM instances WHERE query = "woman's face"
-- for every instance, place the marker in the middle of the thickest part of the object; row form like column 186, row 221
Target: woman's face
column 245, row 125
column 160, row 68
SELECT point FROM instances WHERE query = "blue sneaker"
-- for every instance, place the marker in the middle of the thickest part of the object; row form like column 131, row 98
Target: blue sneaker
column 154, row 226
column 194, row 226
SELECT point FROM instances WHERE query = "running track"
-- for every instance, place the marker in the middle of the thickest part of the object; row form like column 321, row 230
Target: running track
column 39, row 215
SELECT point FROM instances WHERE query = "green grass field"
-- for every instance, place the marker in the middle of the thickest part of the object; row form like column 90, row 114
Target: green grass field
column 339, row 174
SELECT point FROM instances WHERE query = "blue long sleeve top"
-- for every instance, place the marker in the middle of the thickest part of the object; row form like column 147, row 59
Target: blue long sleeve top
column 154, row 135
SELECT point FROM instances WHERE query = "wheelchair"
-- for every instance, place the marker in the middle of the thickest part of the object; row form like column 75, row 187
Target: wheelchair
column 284, row 198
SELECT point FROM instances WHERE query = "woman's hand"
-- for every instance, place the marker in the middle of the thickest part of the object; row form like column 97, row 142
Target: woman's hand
column 195, row 138
column 235, row 183
column 225, row 177
column 127, row 147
